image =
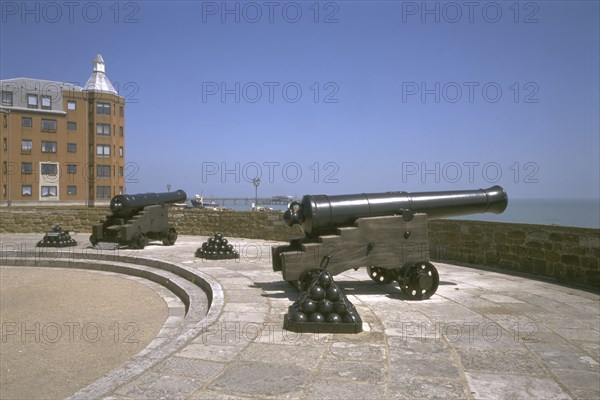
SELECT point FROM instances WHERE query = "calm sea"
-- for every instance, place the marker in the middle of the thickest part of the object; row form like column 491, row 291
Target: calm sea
column 584, row 213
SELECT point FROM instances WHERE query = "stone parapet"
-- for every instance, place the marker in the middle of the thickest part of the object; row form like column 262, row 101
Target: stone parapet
column 566, row 254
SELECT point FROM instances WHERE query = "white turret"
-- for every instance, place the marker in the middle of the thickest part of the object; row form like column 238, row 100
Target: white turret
column 99, row 82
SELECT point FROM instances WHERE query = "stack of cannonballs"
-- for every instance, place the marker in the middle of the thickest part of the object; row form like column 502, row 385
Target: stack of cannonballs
column 323, row 307
column 57, row 238
column 217, row 248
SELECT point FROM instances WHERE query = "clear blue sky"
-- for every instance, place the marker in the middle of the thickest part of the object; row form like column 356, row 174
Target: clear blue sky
column 395, row 95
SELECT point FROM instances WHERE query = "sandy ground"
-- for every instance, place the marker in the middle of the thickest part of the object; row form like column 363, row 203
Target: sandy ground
column 63, row 329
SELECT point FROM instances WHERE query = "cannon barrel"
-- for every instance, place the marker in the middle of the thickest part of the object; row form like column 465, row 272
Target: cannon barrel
column 321, row 214
column 126, row 204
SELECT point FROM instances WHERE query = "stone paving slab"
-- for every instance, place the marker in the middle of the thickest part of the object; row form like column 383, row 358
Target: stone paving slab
column 483, row 335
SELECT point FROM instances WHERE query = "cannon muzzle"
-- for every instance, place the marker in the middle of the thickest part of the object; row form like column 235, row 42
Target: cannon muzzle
column 127, row 204
column 321, row 214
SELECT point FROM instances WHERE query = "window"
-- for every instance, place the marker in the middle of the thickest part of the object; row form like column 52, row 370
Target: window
column 46, row 102
column 26, row 146
column 48, row 125
column 48, row 147
column 72, row 147
column 103, row 129
column 71, row 190
column 49, row 191
column 103, row 150
column 120, row 189
column 32, row 101
column 121, row 111
column 103, row 171
column 26, row 122
column 4, row 167
column 7, row 98
column 26, row 168
column 103, row 108
column 71, row 126
column 120, row 172
column 71, row 168
column 121, row 131
column 121, row 151
column 4, row 144
column 49, row 169
column 103, row 192
column 26, row 190
column 71, row 105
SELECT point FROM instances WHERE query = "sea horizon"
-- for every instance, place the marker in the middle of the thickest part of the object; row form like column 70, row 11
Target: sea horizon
column 580, row 213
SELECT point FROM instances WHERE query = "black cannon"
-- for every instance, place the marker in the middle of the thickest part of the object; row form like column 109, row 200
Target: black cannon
column 138, row 218
column 385, row 232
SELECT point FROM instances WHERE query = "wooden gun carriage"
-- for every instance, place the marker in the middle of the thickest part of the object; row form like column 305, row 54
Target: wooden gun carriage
column 384, row 232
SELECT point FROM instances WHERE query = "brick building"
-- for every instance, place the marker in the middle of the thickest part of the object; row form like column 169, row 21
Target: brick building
column 61, row 143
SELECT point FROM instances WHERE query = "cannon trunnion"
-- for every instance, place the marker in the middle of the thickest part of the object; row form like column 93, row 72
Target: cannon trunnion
column 137, row 219
column 384, row 232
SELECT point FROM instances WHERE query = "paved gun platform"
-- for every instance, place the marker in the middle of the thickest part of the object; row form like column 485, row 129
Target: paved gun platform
column 483, row 335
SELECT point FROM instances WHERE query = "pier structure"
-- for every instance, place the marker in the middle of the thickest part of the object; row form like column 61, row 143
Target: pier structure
column 223, row 201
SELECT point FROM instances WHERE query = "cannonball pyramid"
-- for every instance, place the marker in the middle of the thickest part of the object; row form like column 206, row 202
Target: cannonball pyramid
column 322, row 308
column 57, row 238
column 217, row 248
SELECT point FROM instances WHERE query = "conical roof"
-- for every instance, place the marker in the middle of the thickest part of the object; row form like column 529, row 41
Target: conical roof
column 99, row 82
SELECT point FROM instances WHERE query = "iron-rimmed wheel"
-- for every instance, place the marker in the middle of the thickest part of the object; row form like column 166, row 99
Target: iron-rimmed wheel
column 140, row 241
column 419, row 281
column 381, row 275
column 170, row 237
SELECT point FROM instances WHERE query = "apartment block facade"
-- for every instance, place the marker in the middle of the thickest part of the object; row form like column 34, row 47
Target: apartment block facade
column 62, row 144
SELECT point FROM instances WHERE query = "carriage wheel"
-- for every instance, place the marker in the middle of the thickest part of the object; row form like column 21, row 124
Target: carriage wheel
column 381, row 275
column 140, row 241
column 170, row 237
column 419, row 281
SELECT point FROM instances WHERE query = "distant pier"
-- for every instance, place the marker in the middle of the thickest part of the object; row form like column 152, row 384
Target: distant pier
column 222, row 201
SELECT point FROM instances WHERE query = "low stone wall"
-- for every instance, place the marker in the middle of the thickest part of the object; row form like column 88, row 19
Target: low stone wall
column 565, row 254
column 257, row 225
column 41, row 219
column 261, row 225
